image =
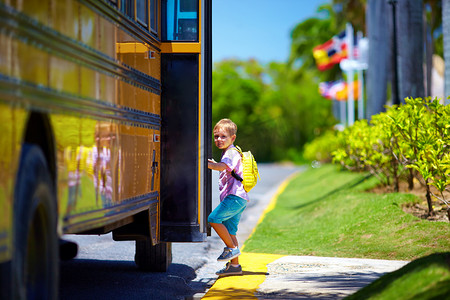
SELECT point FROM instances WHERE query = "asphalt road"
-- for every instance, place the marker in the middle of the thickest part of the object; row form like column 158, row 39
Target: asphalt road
column 105, row 269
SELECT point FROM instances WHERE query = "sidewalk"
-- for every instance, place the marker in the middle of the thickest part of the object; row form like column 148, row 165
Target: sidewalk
column 270, row 276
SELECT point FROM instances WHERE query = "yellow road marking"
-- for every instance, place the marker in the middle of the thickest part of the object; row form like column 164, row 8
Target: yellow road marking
column 272, row 202
column 254, row 267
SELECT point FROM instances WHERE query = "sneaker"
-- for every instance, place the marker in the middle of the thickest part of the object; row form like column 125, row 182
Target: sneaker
column 229, row 254
column 230, row 270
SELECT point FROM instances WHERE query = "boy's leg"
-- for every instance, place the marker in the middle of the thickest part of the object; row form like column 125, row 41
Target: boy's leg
column 226, row 209
column 235, row 261
column 222, row 232
column 224, row 219
column 232, row 226
column 232, row 267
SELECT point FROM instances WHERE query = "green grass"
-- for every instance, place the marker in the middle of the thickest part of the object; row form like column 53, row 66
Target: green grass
column 424, row 278
column 327, row 212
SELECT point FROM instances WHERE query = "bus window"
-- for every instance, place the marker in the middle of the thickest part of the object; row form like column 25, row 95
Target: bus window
column 127, row 7
column 154, row 16
column 142, row 12
column 180, row 20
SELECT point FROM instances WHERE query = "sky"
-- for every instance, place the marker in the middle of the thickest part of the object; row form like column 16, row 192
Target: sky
column 258, row 29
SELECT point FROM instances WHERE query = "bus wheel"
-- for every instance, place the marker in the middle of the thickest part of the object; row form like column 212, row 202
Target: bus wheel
column 35, row 263
column 153, row 258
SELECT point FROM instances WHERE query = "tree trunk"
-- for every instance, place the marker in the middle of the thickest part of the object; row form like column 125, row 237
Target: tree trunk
column 410, row 180
column 429, row 202
column 446, row 32
column 377, row 73
column 395, row 174
column 410, row 48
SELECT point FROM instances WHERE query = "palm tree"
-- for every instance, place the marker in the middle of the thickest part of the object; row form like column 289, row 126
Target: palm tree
column 410, row 43
column 446, row 30
column 433, row 37
column 310, row 33
column 351, row 11
column 377, row 73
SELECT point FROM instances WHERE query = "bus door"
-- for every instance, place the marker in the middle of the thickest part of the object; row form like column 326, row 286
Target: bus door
column 186, row 120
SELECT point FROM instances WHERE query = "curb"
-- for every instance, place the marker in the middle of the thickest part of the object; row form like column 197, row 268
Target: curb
column 254, row 266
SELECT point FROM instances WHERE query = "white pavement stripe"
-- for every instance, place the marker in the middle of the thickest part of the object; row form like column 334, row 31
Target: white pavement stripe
column 332, row 276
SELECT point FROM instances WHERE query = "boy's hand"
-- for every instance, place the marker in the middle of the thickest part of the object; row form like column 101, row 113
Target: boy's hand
column 218, row 166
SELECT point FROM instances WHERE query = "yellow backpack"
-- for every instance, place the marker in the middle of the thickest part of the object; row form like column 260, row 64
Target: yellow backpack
column 249, row 168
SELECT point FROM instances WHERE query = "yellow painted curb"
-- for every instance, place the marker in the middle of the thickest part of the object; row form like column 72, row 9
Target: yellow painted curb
column 254, row 269
column 272, row 202
column 254, row 266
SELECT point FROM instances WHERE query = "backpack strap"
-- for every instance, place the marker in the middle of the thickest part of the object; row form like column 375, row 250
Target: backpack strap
column 233, row 173
column 238, row 149
column 236, row 176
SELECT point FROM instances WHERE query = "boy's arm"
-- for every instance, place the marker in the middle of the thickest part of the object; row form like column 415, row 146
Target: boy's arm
column 217, row 166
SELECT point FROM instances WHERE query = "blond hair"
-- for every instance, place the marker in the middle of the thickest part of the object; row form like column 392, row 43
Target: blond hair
column 227, row 125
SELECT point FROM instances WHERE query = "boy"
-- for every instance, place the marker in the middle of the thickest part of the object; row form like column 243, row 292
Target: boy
column 233, row 198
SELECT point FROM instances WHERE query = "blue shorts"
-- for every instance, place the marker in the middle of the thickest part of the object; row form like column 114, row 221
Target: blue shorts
column 229, row 212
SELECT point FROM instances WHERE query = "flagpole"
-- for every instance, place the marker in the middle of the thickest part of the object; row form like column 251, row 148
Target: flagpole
column 350, row 97
column 360, row 94
column 360, row 80
column 343, row 112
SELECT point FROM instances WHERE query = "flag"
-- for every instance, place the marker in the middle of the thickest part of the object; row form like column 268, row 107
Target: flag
column 331, row 52
column 337, row 90
column 329, row 89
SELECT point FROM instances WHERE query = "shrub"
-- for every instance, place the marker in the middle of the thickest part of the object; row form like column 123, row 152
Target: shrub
column 370, row 147
column 320, row 148
column 425, row 143
column 411, row 139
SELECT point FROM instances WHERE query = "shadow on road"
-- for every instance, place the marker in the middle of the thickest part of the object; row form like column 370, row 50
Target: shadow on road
column 108, row 279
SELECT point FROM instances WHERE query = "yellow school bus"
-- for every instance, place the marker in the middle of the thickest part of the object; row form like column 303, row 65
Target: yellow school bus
column 105, row 113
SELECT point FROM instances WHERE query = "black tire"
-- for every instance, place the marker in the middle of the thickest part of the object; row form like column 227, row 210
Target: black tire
column 153, row 258
column 35, row 262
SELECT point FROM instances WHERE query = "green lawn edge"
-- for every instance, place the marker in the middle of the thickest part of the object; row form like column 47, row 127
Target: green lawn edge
column 328, row 212
column 424, row 278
